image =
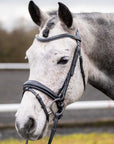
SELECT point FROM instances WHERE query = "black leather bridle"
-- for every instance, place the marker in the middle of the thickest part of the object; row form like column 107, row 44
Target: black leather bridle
column 58, row 98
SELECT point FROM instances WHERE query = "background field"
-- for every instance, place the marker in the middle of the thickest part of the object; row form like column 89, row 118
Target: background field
column 71, row 139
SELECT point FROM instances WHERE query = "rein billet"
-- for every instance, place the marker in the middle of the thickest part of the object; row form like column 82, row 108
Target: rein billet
column 58, row 98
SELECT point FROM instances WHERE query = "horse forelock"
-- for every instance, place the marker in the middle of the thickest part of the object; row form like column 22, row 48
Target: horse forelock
column 49, row 25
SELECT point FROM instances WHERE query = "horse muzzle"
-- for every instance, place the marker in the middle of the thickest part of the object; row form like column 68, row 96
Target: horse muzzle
column 29, row 129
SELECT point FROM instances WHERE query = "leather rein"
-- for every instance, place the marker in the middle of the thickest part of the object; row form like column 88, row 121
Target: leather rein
column 58, row 98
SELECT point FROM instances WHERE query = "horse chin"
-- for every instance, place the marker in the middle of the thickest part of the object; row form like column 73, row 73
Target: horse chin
column 37, row 136
column 44, row 132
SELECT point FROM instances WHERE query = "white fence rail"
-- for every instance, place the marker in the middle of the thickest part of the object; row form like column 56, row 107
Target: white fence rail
column 75, row 106
column 14, row 66
column 104, row 104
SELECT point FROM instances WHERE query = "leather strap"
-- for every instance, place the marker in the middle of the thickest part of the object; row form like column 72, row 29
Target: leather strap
column 38, row 86
column 66, row 35
column 39, row 99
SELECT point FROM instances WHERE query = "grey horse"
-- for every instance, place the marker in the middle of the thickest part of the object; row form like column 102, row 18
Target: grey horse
column 49, row 63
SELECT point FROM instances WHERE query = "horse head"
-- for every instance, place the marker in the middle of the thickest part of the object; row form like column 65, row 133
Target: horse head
column 49, row 64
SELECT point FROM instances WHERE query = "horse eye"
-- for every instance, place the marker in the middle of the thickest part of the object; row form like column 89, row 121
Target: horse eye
column 63, row 60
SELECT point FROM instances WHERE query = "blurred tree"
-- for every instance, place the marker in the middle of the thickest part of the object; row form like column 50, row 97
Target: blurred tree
column 14, row 44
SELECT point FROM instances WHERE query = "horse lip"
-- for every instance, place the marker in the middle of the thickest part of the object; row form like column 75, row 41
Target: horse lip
column 31, row 136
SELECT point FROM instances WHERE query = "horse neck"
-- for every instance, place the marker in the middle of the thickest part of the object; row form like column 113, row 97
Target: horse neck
column 97, row 43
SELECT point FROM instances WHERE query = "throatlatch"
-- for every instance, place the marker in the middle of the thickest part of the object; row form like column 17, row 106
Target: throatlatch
column 58, row 98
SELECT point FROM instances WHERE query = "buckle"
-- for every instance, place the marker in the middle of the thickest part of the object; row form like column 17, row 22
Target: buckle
column 60, row 106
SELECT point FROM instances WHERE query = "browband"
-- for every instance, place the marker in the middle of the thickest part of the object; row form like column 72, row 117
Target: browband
column 66, row 35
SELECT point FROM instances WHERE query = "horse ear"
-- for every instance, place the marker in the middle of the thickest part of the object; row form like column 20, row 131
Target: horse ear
column 36, row 14
column 65, row 15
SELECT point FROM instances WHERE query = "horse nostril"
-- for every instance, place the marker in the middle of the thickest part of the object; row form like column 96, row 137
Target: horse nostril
column 29, row 126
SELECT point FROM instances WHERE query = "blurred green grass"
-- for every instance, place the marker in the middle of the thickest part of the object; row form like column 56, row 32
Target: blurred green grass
column 93, row 138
